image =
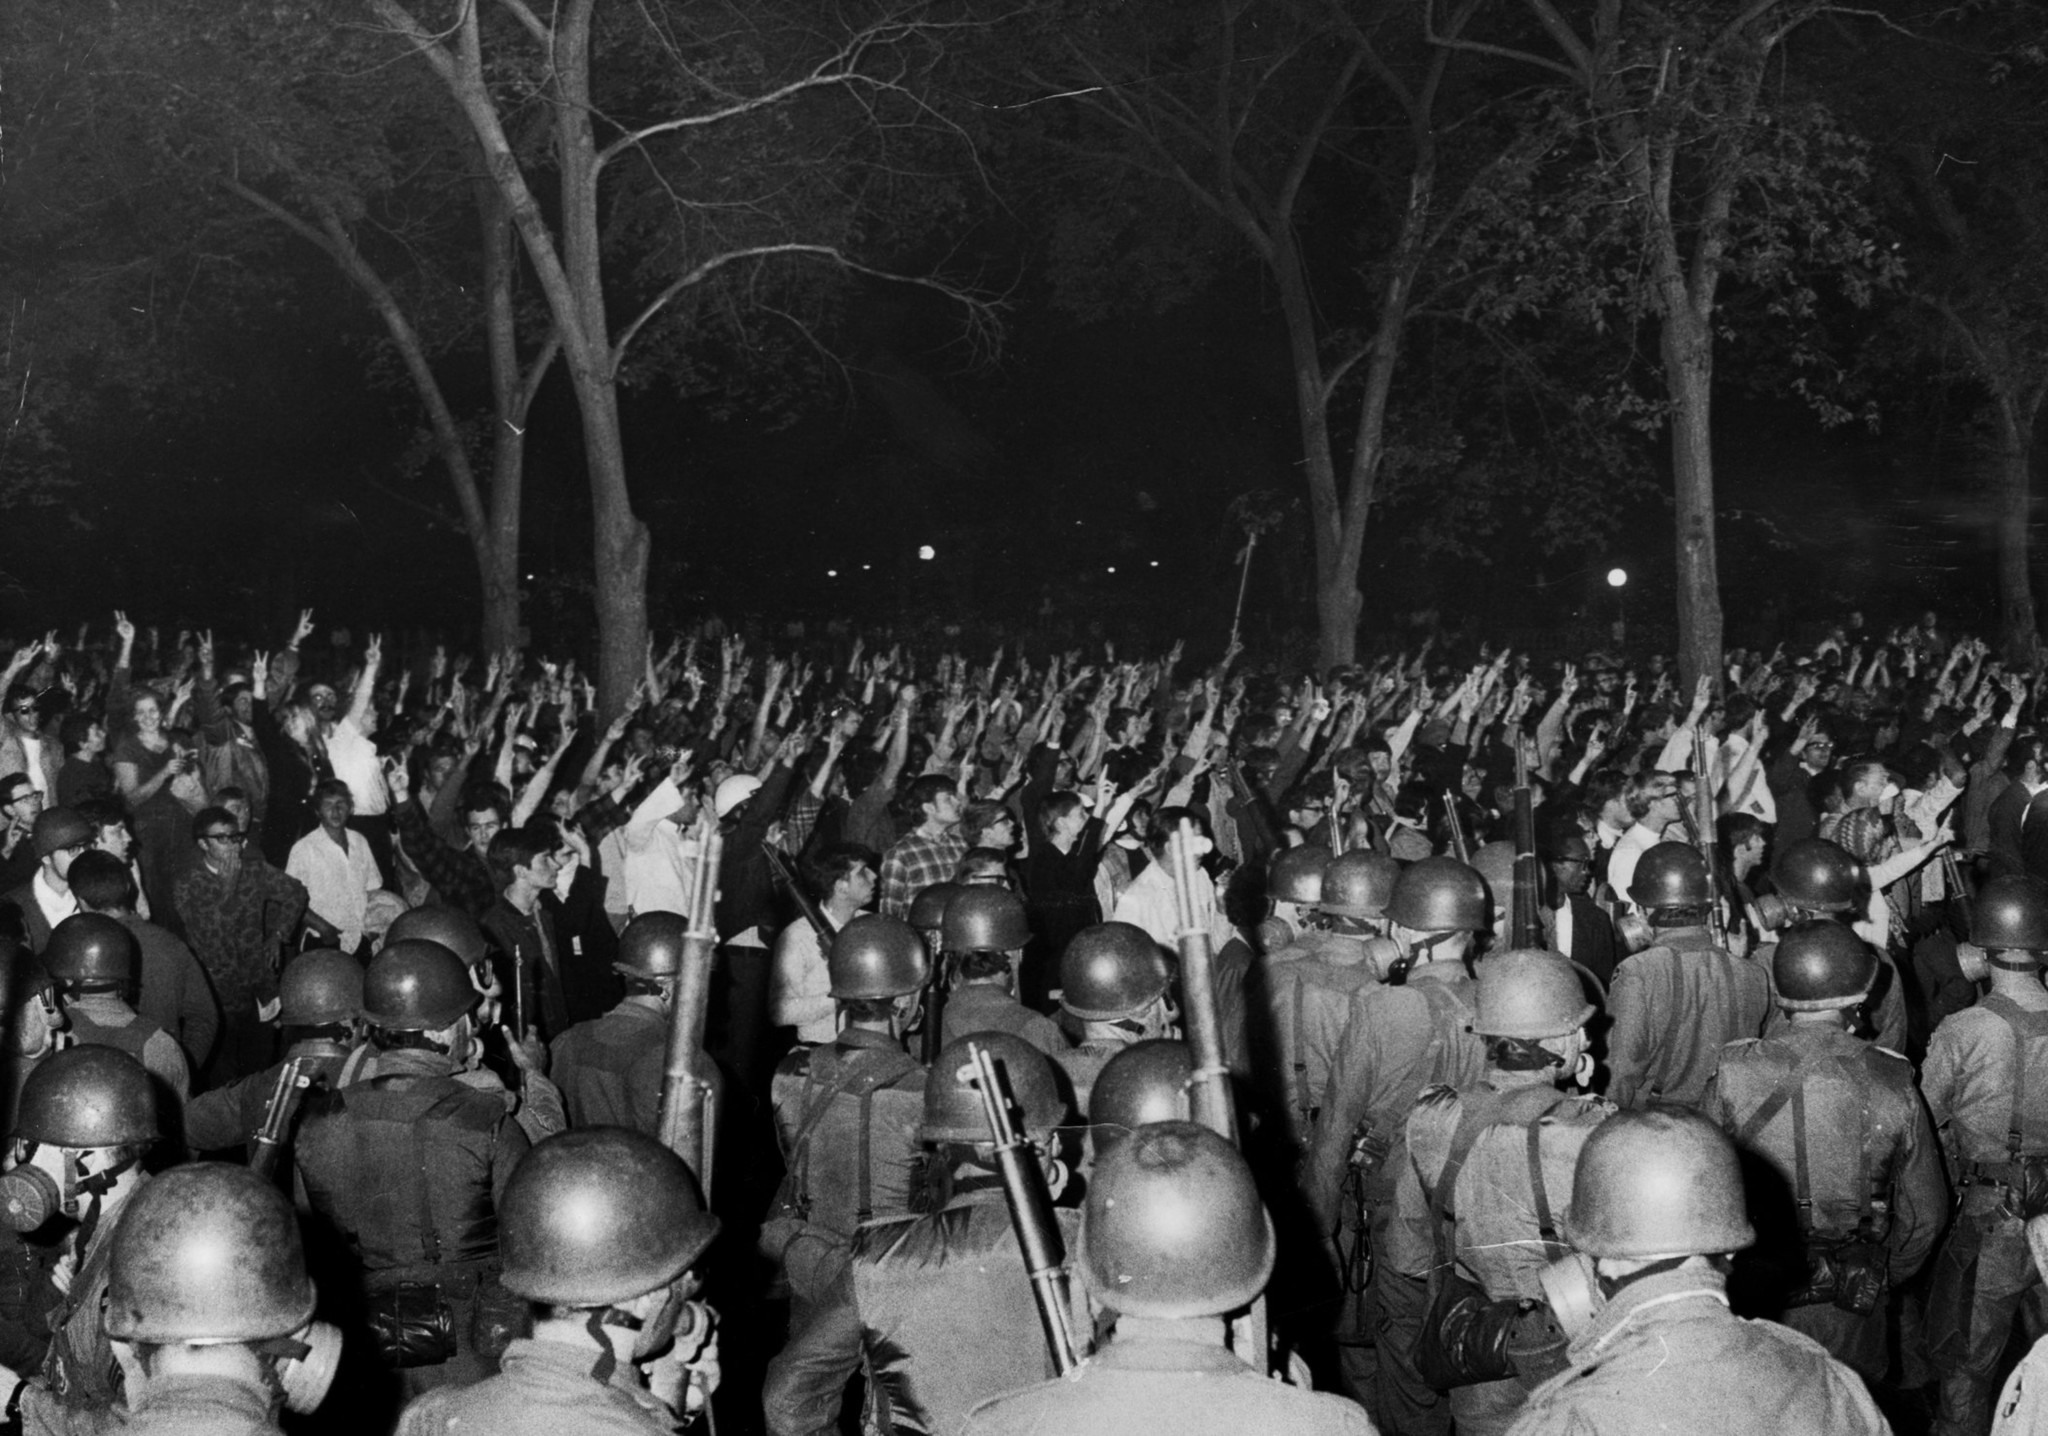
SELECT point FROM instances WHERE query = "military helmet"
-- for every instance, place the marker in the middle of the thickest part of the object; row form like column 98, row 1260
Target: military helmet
column 1359, row 884
column 652, row 945
column 928, row 908
column 87, row 1096
column 1662, row 1181
column 415, row 985
column 2011, row 912
column 1670, row 875
column 1111, row 970
column 91, row 948
column 877, row 957
column 320, row 988
column 1820, row 965
column 1296, row 875
column 1143, row 1083
column 1440, row 895
column 207, row 1252
column 1173, row 1225
column 599, row 1215
column 1817, row 875
column 453, row 928
column 984, row 919
column 952, row 1103
column 1531, row 994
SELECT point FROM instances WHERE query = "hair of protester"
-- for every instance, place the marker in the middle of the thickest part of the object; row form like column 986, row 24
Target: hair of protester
column 212, row 817
column 926, row 791
column 515, row 848
column 1166, row 822
column 332, row 788
column 102, row 882
column 1055, row 808
column 75, row 731
column 832, row 864
column 981, row 815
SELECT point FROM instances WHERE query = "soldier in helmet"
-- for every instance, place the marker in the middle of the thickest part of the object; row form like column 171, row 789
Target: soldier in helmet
column 847, row 1114
column 93, row 959
column 1495, row 864
column 1173, row 1239
column 1309, row 999
column 601, row 1231
column 320, row 997
column 610, row 1070
column 1294, row 893
column 88, row 1117
column 984, row 931
column 1399, row 1038
column 1843, row 1124
column 1986, row 1083
column 1115, row 989
column 1146, row 1082
column 506, row 1060
column 1657, row 1199
column 943, row 1298
column 208, row 1313
column 408, row 1163
column 1488, row 1166
column 1814, row 878
column 1677, row 1003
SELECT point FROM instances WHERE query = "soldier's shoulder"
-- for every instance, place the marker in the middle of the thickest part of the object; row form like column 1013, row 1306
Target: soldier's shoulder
column 1579, row 1112
column 796, row 1063
column 1796, row 1344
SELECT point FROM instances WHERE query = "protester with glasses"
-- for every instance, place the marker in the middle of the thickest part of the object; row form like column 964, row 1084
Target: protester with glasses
column 240, row 915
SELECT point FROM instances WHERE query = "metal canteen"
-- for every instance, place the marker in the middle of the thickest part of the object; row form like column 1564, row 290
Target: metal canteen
column 1572, row 1287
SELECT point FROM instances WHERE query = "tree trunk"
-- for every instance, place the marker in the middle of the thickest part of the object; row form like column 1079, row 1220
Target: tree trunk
column 2015, row 514
column 1337, row 608
column 1689, row 377
column 497, row 562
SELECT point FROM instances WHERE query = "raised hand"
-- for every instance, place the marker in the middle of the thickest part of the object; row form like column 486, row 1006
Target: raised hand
column 304, row 630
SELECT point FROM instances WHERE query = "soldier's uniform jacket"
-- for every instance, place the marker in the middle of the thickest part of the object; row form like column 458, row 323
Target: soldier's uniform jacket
column 1397, row 1041
column 1968, row 1079
column 984, row 1007
column 96, row 1021
column 1675, row 1006
column 1243, row 992
column 543, row 1388
column 409, row 1165
column 610, row 1069
column 79, row 1367
column 1511, row 1191
column 173, row 1406
column 1149, row 1379
column 1309, row 1002
column 227, row 1116
column 1666, row 1354
column 848, row 1115
column 1865, row 1134
column 1083, row 1063
column 947, row 1310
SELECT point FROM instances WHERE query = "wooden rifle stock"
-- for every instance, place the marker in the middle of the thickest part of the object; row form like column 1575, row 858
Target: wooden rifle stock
column 1461, row 846
column 1525, row 921
column 684, row 1098
column 266, row 1143
column 778, row 864
column 1031, row 1214
column 1210, row 1091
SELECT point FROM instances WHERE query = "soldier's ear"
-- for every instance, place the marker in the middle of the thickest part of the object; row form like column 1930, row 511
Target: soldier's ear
column 2037, row 1242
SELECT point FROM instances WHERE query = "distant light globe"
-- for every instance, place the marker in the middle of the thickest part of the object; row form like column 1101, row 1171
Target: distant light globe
column 1616, row 577
column 926, row 551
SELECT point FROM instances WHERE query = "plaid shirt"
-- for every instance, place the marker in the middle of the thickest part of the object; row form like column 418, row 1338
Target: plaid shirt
column 914, row 864
column 459, row 875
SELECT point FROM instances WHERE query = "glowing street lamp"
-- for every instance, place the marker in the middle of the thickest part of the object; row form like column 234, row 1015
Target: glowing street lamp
column 927, row 552
column 1617, row 577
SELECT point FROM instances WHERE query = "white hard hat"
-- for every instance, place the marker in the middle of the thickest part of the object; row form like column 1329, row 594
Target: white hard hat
column 734, row 791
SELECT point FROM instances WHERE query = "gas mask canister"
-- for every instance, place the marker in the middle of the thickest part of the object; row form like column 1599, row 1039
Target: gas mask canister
column 44, row 1183
column 1577, row 1292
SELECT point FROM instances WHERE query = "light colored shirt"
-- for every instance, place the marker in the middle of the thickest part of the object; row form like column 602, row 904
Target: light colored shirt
column 56, row 906
column 655, row 849
column 799, row 988
column 338, row 882
column 1148, row 903
column 32, row 750
column 1621, row 863
column 354, row 758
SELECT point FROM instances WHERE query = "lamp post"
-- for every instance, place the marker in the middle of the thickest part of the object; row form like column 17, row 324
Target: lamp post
column 1617, row 579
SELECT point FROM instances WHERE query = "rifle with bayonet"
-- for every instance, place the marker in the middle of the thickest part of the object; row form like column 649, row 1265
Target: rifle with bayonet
column 1031, row 1212
column 1525, row 920
column 266, row 1143
column 685, row 1122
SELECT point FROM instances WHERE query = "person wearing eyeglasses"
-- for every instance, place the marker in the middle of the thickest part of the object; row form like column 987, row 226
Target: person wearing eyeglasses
column 20, row 805
column 239, row 913
column 25, row 747
column 45, row 900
